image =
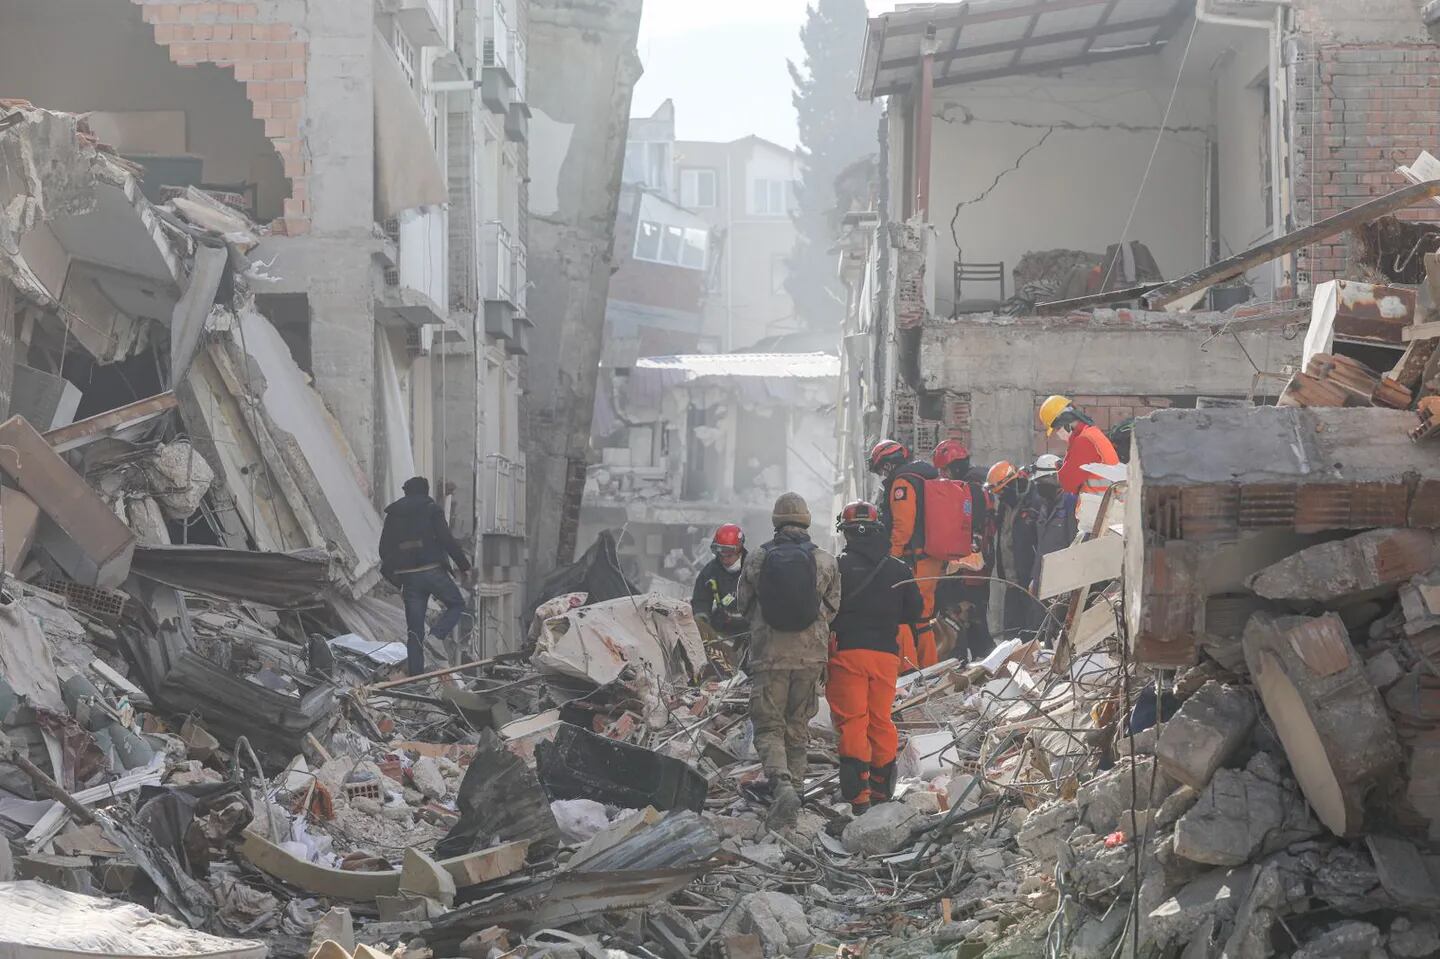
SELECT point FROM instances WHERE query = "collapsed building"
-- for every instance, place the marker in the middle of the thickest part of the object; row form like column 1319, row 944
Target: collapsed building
column 1029, row 163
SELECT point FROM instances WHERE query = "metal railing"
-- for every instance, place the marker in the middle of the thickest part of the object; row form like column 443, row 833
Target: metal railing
column 499, row 248
column 498, row 43
column 504, row 493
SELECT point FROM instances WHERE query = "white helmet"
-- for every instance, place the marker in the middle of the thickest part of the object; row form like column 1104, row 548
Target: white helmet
column 1047, row 463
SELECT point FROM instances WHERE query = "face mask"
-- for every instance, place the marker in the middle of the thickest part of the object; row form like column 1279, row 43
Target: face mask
column 733, row 567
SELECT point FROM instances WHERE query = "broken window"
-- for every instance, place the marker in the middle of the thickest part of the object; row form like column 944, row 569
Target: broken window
column 673, row 245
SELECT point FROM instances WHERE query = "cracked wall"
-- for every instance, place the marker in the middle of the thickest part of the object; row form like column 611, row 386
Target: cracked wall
column 1029, row 163
column 581, row 101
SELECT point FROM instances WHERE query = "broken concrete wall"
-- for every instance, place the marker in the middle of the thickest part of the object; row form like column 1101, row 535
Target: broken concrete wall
column 581, row 105
column 1008, row 365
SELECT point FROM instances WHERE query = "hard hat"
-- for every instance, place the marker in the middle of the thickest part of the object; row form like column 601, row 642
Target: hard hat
column 1046, row 463
column 727, row 537
column 887, row 452
column 858, row 515
column 949, row 451
column 1051, row 409
column 1001, row 475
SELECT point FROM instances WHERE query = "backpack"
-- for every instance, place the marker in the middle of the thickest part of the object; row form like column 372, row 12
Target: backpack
column 787, row 586
column 949, row 515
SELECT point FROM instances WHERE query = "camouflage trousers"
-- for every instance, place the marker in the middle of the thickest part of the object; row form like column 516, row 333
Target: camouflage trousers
column 782, row 703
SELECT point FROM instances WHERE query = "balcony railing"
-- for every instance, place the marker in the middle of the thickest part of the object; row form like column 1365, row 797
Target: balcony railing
column 504, row 496
column 497, row 43
column 499, row 263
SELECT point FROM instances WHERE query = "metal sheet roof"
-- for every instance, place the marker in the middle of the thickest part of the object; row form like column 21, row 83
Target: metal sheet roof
column 986, row 39
column 803, row 366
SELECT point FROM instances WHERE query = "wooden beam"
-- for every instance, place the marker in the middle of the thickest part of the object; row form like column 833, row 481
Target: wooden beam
column 1075, row 567
column 1420, row 331
column 1100, row 27
column 96, row 427
column 1042, row 66
column 1256, row 256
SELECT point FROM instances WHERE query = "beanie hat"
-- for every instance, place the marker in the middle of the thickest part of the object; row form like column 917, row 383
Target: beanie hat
column 790, row 510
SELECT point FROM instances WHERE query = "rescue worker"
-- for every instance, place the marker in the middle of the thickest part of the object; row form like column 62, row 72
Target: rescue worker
column 902, row 501
column 1006, row 486
column 790, row 590
column 1056, row 527
column 1085, row 443
column 971, row 593
column 878, row 595
column 713, row 599
column 416, row 546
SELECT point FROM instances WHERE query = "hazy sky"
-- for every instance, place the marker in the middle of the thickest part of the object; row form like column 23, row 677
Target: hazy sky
column 723, row 63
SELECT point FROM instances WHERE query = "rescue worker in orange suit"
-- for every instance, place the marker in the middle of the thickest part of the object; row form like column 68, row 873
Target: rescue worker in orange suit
column 877, row 597
column 1085, row 443
column 952, row 459
column 901, row 511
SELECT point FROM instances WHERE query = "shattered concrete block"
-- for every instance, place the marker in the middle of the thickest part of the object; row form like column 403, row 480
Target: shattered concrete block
column 428, row 778
column 1216, row 895
column 1402, row 871
column 1105, row 797
column 779, row 920
column 1095, row 938
column 1336, row 730
column 1239, row 815
column 424, row 877
column 1383, row 669
column 1206, row 731
column 1347, row 940
column 1251, row 936
column 1175, row 806
column 883, row 829
column 337, row 926
column 1411, row 939
column 1364, row 566
column 1046, row 828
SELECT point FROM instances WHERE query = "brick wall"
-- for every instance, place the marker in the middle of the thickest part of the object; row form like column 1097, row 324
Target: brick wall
column 268, row 57
column 923, row 435
column 1360, row 110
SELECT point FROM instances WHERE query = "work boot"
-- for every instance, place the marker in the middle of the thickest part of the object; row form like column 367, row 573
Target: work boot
column 854, row 779
column 882, row 783
column 785, row 810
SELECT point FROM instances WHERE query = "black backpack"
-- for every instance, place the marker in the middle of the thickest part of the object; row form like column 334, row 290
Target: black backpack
column 787, row 587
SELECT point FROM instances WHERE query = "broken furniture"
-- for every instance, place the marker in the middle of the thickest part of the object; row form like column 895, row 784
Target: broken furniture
column 578, row 764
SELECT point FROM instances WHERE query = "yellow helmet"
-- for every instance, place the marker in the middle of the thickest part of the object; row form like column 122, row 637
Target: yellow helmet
column 1052, row 408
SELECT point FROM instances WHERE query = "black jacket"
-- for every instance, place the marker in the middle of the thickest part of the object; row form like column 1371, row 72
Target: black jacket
column 1055, row 531
column 714, row 583
column 870, row 617
column 416, row 535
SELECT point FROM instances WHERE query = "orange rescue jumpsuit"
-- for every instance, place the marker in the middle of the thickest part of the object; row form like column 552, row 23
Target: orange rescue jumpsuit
column 917, row 644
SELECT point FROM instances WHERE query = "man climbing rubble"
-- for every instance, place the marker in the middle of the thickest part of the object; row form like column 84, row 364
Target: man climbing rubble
column 416, row 547
column 878, row 597
column 713, row 599
column 790, row 590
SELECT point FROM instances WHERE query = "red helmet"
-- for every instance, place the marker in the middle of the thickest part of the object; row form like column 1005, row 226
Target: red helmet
column 887, row 452
column 858, row 515
column 728, row 537
column 949, row 451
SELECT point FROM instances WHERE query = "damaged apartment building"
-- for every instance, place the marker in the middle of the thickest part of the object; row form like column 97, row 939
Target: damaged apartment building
column 359, row 173
column 697, row 421
column 1048, row 175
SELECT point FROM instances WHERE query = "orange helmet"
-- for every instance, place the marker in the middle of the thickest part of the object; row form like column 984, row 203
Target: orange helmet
column 886, row 453
column 858, row 515
column 949, row 451
column 1001, row 475
column 728, row 537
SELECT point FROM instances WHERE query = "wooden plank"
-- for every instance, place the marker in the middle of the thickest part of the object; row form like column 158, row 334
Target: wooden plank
column 1080, row 565
column 1092, row 628
column 101, row 425
column 1255, row 256
column 1421, row 331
